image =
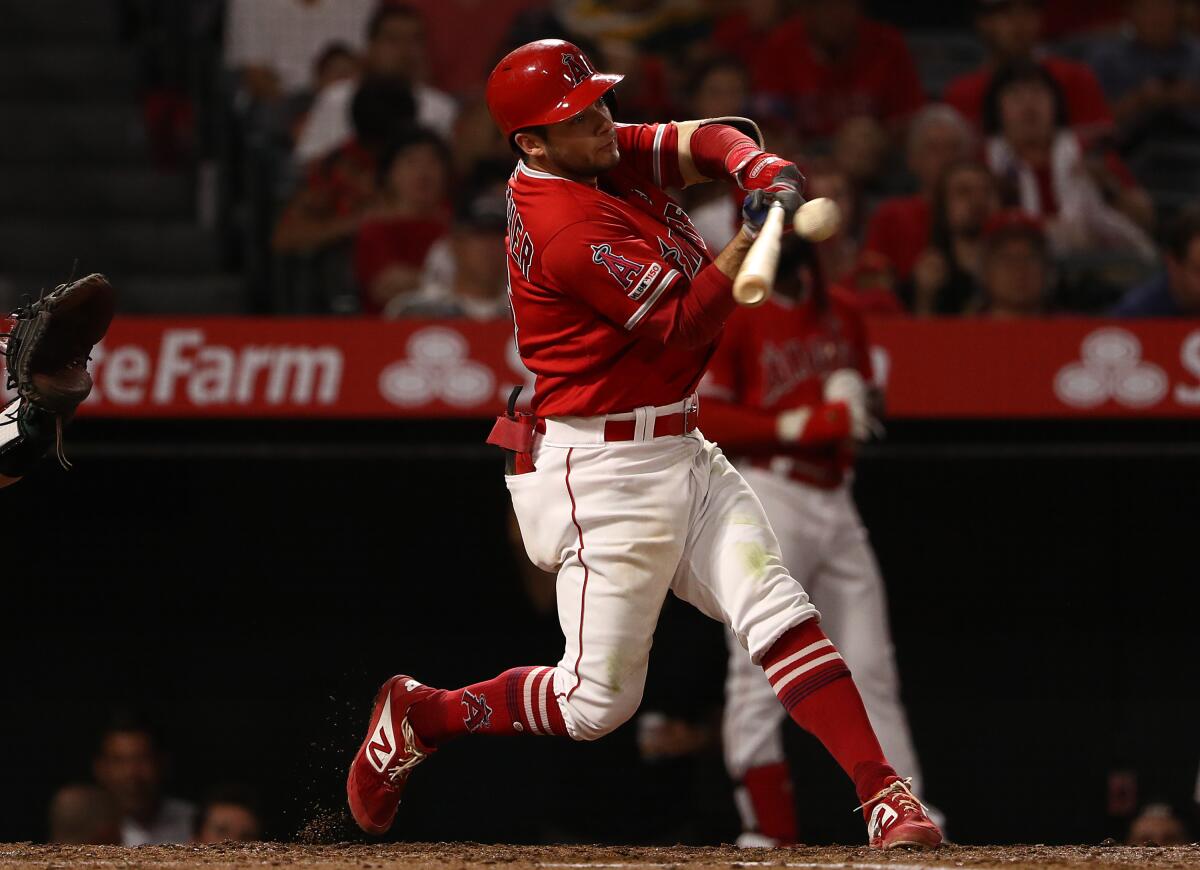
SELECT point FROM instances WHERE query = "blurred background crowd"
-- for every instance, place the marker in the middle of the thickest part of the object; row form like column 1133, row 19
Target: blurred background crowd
column 997, row 158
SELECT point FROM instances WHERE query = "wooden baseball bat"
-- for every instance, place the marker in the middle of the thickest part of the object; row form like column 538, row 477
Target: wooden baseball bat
column 756, row 278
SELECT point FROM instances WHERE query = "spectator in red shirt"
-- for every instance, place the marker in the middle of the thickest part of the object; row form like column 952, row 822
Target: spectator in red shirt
column 465, row 38
column 829, row 64
column 1043, row 169
column 1012, row 31
column 393, row 241
column 900, row 226
column 742, row 33
column 343, row 187
column 948, row 273
column 476, row 284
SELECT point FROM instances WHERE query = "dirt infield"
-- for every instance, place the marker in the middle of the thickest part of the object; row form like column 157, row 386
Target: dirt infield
column 444, row 856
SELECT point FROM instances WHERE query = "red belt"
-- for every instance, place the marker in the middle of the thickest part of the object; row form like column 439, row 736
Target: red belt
column 672, row 424
column 624, row 430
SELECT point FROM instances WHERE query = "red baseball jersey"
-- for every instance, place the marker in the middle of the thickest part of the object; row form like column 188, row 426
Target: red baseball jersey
column 776, row 358
column 596, row 275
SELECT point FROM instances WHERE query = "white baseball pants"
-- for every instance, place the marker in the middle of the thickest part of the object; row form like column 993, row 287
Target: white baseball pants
column 624, row 522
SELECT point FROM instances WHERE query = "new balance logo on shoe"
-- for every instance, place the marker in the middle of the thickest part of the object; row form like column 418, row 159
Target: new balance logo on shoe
column 881, row 817
column 382, row 747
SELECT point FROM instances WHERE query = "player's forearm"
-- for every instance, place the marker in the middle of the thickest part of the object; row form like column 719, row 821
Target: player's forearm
column 730, row 259
column 718, row 151
column 702, row 310
column 7, row 481
column 745, row 429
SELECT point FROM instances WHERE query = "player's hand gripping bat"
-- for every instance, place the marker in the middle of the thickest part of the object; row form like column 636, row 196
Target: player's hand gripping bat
column 815, row 220
column 756, row 277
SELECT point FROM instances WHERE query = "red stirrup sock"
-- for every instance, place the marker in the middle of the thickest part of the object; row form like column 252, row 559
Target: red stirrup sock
column 519, row 701
column 769, row 789
column 814, row 685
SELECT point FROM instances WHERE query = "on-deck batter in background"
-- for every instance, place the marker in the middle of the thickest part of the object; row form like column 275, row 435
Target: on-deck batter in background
column 788, row 395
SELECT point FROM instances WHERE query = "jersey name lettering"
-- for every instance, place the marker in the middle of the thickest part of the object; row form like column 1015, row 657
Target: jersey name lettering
column 520, row 246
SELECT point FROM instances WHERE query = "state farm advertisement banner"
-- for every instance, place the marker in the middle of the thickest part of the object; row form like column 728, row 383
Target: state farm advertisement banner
column 247, row 367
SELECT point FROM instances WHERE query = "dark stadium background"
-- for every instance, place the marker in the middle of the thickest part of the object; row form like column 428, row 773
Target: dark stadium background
column 255, row 582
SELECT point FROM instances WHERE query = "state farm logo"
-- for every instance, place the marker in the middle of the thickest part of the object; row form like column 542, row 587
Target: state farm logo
column 438, row 367
column 1112, row 368
column 187, row 367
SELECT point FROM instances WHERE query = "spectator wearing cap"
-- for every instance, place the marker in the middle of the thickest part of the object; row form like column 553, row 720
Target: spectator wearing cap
column 900, row 226
column 476, row 284
column 342, row 189
column 947, row 275
column 829, row 64
column 273, row 43
column 396, row 51
column 130, row 766
column 393, row 241
column 1043, row 169
column 1012, row 31
column 1151, row 72
column 1176, row 292
column 230, row 813
column 84, row 815
column 1015, row 268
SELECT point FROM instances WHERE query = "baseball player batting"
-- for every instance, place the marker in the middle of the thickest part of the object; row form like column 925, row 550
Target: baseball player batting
column 618, row 308
column 786, row 391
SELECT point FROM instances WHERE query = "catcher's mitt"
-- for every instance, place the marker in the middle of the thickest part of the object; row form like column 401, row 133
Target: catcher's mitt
column 49, row 343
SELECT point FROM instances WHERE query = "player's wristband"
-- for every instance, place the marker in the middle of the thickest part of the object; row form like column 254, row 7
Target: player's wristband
column 720, row 151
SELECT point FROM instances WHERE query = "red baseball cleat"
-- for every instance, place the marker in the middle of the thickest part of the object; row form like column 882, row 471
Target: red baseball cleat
column 388, row 754
column 896, row 819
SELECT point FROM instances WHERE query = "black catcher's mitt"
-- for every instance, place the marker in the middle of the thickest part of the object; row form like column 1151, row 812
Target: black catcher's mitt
column 49, row 344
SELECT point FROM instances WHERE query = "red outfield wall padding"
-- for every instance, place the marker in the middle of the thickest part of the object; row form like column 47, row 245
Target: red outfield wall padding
column 250, row 367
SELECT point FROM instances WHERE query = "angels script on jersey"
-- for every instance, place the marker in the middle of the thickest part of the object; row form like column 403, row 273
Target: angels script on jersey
column 189, row 368
column 785, row 364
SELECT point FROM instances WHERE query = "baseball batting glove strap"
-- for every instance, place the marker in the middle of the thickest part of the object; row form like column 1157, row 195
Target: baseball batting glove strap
column 47, row 351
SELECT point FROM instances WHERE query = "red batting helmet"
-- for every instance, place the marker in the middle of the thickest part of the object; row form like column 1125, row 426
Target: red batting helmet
column 543, row 82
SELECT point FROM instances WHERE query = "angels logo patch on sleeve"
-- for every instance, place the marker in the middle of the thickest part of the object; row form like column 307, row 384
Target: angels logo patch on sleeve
column 623, row 269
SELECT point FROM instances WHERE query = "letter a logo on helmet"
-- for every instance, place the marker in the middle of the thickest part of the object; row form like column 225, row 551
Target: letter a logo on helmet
column 543, row 82
column 577, row 67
